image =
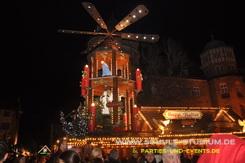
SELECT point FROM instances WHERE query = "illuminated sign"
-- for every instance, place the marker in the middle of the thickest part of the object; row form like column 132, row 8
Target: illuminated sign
column 182, row 114
column 45, row 150
column 111, row 104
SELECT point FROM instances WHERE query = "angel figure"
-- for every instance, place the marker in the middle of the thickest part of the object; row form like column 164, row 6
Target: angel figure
column 242, row 123
column 159, row 125
column 106, row 97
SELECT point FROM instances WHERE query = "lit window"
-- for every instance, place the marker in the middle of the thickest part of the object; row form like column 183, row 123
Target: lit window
column 223, row 88
column 196, row 91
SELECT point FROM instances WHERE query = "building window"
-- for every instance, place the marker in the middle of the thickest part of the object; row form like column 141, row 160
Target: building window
column 219, row 67
column 196, row 91
column 237, row 86
column 223, row 88
column 7, row 113
column 238, row 89
column 229, row 55
column 217, row 55
column 5, row 126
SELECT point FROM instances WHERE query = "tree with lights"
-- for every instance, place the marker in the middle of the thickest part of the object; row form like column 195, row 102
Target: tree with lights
column 78, row 126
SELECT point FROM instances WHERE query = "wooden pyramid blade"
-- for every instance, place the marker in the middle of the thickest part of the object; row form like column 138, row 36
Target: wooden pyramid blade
column 81, row 32
column 139, row 12
column 141, row 37
column 95, row 14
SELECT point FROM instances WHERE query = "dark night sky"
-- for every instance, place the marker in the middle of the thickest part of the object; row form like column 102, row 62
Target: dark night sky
column 43, row 67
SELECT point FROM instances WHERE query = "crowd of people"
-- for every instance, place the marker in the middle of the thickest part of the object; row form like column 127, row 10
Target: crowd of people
column 73, row 155
column 232, row 153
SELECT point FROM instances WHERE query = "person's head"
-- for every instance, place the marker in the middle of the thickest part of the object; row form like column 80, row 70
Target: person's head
column 97, row 160
column 3, row 151
column 114, row 154
column 69, row 156
column 170, row 156
column 102, row 62
column 63, row 145
column 135, row 155
column 150, row 157
column 20, row 159
column 76, row 149
column 96, row 153
column 42, row 159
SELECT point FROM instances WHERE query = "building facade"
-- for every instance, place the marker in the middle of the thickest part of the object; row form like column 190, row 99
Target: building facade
column 9, row 125
column 222, row 87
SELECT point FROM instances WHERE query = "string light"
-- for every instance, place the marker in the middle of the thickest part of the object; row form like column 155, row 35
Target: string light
column 139, row 141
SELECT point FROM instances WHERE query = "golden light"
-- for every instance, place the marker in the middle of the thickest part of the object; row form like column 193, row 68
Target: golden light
column 242, row 123
column 166, row 122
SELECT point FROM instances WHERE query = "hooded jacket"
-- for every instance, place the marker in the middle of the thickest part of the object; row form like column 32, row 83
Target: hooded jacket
column 230, row 150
